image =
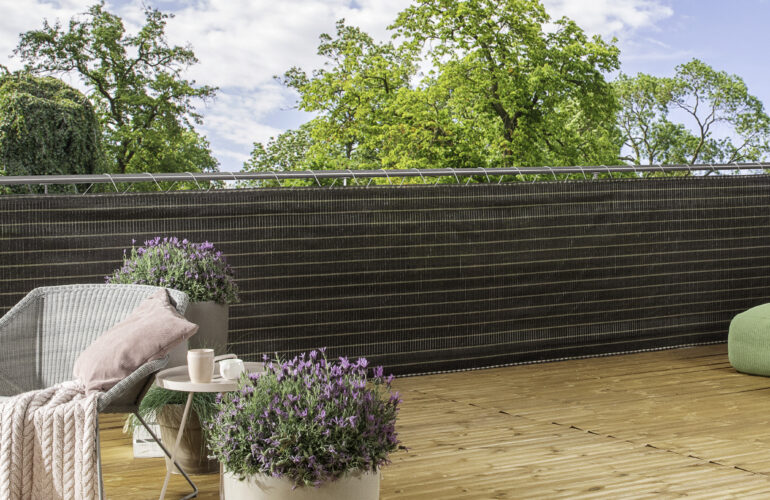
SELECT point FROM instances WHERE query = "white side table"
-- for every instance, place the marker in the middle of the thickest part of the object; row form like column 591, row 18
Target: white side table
column 178, row 379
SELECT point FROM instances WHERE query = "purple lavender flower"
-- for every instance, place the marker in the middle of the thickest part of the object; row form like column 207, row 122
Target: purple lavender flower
column 196, row 268
column 306, row 419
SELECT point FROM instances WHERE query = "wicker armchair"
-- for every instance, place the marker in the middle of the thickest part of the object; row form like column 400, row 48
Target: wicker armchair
column 42, row 336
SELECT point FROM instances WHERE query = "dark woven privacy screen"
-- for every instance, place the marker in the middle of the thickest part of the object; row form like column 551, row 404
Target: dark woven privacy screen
column 432, row 278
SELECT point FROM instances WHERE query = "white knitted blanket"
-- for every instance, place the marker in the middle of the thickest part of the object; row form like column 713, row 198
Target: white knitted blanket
column 47, row 444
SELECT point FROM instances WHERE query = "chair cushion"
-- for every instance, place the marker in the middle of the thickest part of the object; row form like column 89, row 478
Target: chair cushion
column 748, row 342
column 147, row 333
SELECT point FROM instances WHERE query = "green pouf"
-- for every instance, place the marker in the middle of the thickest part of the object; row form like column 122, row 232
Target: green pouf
column 748, row 343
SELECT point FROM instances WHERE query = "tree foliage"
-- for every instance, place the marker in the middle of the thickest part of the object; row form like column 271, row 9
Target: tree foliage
column 354, row 94
column 145, row 106
column 503, row 90
column 647, row 133
column 700, row 115
column 540, row 94
column 287, row 151
column 46, row 127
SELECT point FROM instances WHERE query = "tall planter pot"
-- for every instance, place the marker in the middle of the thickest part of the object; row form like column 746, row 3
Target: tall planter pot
column 192, row 454
column 212, row 318
column 261, row 487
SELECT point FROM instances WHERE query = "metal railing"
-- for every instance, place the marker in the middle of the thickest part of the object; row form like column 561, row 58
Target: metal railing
column 355, row 175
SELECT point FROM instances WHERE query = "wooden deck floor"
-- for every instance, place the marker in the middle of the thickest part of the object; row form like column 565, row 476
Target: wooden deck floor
column 654, row 425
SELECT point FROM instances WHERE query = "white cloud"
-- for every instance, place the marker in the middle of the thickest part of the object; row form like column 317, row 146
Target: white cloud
column 239, row 119
column 236, row 156
column 610, row 17
column 19, row 17
column 241, row 44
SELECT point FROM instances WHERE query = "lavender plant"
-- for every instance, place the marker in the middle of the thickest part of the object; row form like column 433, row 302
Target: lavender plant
column 197, row 269
column 307, row 419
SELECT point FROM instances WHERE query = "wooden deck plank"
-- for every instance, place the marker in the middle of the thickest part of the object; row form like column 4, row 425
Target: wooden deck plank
column 660, row 424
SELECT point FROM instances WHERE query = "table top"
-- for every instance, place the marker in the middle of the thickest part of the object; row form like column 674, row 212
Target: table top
column 178, row 379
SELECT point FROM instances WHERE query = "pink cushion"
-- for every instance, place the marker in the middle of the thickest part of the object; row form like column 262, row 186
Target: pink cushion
column 148, row 333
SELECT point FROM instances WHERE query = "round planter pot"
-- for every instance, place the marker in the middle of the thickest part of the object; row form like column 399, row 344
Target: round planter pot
column 262, row 487
column 212, row 319
column 193, row 452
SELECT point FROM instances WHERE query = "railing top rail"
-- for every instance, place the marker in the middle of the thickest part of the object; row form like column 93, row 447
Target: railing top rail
column 366, row 174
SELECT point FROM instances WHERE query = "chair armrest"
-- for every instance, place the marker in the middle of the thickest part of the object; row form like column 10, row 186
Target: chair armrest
column 124, row 395
column 19, row 311
column 19, row 340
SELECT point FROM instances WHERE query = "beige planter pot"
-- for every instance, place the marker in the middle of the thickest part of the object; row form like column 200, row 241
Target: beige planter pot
column 261, row 487
column 212, row 319
column 193, row 452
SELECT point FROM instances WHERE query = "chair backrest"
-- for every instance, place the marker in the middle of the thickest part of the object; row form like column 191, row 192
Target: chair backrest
column 70, row 317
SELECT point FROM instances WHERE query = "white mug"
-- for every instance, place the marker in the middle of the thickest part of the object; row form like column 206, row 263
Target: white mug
column 200, row 365
column 231, row 368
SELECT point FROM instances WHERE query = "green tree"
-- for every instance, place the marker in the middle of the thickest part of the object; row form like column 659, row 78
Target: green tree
column 144, row 104
column 288, row 151
column 46, row 127
column 648, row 136
column 720, row 121
column 539, row 95
column 714, row 98
column 352, row 94
column 503, row 90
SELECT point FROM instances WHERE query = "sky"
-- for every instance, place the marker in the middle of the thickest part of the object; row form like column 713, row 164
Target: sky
column 242, row 44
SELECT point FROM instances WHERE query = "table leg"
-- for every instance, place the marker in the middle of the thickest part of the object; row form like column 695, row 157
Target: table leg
column 178, row 441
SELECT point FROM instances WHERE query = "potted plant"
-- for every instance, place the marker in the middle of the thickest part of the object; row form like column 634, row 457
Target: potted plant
column 305, row 428
column 166, row 407
column 202, row 272
column 197, row 269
